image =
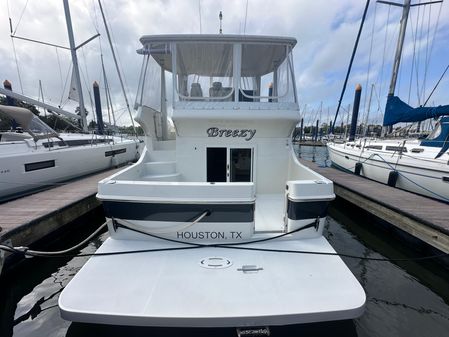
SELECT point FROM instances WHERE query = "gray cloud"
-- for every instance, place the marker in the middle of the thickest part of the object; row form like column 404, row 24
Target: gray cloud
column 325, row 31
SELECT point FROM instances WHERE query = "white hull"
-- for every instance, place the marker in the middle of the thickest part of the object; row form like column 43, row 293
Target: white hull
column 172, row 289
column 418, row 172
column 20, row 174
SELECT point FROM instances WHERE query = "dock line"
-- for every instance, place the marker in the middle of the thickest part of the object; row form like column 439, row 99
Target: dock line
column 190, row 245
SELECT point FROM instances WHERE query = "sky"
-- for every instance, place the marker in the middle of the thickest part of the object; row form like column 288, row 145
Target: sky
column 325, row 30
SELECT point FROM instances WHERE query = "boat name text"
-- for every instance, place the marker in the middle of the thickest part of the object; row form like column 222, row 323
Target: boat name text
column 208, row 235
column 243, row 133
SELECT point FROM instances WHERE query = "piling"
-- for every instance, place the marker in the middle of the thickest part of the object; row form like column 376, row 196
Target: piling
column 100, row 126
column 8, row 86
column 355, row 112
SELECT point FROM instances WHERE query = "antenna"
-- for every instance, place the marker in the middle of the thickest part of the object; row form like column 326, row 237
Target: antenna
column 220, row 16
column 199, row 12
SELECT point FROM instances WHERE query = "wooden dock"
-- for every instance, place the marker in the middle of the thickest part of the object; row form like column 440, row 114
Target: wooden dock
column 28, row 219
column 423, row 218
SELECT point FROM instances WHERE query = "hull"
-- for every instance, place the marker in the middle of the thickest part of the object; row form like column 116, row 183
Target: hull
column 197, row 277
column 417, row 174
column 24, row 168
column 176, row 288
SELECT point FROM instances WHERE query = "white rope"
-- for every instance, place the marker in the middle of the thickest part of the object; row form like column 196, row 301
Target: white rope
column 20, row 18
column 61, row 252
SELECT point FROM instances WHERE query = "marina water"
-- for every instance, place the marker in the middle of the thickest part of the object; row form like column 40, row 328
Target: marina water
column 403, row 299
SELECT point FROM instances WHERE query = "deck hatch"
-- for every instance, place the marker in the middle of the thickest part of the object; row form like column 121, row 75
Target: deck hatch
column 215, row 262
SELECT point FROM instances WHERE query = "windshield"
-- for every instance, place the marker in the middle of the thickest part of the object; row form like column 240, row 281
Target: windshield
column 30, row 122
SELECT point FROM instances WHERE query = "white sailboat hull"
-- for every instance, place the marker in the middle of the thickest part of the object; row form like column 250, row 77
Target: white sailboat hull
column 416, row 173
column 25, row 168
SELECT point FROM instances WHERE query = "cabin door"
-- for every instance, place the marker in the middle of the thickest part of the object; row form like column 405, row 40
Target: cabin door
column 240, row 165
column 229, row 164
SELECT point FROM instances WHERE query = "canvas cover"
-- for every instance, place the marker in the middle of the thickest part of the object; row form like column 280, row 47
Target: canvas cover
column 397, row 111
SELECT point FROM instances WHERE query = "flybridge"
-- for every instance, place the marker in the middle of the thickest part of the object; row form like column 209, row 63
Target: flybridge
column 208, row 76
column 216, row 68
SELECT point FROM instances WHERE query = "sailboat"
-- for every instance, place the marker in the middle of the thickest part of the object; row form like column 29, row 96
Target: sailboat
column 33, row 156
column 416, row 165
column 221, row 226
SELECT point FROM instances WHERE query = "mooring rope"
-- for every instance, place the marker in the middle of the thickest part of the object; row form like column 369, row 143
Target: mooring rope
column 193, row 245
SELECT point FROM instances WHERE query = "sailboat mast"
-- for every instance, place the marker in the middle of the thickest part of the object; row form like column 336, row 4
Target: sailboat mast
column 397, row 57
column 116, row 66
column 75, row 64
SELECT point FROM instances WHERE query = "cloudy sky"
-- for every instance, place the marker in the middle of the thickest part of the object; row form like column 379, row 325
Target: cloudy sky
column 325, row 30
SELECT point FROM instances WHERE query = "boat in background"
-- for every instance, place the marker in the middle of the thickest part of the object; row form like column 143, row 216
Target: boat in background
column 222, row 226
column 34, row 156
column 416, row 165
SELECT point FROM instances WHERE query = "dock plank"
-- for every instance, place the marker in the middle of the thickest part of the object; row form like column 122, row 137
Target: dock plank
column 422, row 217
column 32, row 217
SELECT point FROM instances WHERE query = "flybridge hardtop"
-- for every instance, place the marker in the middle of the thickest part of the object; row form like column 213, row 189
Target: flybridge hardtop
column 273, row 50
column 220, row 38
column 220, row 173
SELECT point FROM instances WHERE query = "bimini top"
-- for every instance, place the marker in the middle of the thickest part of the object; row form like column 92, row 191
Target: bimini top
column 269, row 51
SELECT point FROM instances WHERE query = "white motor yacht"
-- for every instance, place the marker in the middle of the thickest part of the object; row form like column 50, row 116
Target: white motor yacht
column 221, row 226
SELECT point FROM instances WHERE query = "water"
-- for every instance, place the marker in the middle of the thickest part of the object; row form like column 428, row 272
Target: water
column 316, row 154
column 403, row 299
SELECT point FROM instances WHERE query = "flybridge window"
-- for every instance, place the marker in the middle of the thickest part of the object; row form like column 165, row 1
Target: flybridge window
column 204, row 71
column 213, row 71
column 267, row 73
column 150, row 88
